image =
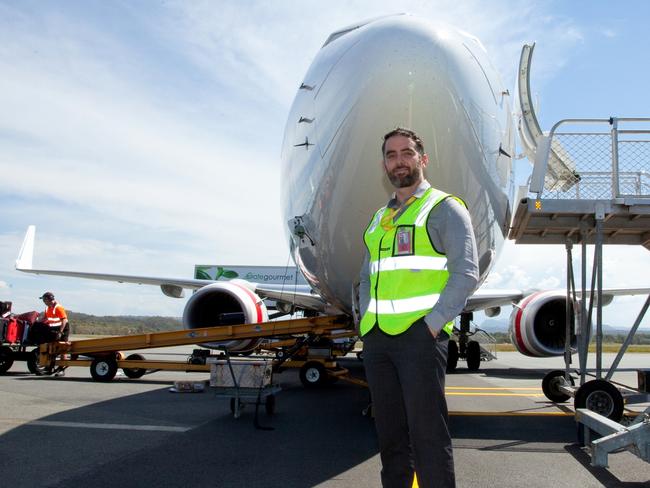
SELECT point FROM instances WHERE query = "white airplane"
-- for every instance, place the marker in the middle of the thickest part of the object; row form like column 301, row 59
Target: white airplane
column 366, row 80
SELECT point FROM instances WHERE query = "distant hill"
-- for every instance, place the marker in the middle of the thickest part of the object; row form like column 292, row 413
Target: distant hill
column 82, row 323
column 86, row 324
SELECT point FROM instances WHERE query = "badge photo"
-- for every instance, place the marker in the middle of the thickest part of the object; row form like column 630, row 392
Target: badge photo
column 404, row 241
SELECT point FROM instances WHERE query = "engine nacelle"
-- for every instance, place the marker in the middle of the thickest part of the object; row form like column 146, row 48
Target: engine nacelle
column 538, row 324
column 227, row 303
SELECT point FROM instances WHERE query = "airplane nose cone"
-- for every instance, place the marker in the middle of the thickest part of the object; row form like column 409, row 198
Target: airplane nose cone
column 383, row 70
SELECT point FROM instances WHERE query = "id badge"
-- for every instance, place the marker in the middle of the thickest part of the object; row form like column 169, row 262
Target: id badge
column 404, row 241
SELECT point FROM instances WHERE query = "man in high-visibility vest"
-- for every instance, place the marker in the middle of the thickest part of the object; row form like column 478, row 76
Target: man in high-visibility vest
column 55, row 317
column 420, row 266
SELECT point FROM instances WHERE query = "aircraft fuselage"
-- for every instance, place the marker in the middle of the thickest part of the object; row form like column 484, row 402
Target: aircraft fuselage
column 395, row 71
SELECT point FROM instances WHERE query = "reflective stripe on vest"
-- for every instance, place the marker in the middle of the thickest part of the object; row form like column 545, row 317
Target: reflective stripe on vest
column 407, row 275
column 403, row 305
column 408, row 262
column 52, row 319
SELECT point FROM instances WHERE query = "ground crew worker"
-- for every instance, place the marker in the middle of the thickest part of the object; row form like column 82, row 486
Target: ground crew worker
column 55, row 317
column 420, row 266
column 51, row 325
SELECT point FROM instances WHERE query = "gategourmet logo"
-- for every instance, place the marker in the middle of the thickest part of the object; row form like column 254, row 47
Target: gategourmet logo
column 268, row 277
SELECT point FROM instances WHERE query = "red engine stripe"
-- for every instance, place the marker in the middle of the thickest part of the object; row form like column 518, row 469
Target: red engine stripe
column 518, row 337
column 258, row 305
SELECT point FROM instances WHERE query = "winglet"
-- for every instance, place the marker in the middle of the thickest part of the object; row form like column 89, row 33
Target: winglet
column 26, row 254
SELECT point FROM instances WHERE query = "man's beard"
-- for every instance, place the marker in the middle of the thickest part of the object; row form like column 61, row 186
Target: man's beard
column 406, row 180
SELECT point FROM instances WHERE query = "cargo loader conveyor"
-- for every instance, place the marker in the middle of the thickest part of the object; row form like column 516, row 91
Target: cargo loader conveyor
column 104, row 356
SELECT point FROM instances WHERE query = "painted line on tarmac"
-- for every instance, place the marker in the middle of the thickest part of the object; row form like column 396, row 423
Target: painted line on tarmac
column 468, row 393
column 511, row 414
column 535, row 388
column 86, row 425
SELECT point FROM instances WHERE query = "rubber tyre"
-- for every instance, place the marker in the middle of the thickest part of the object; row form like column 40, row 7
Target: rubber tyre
column 269, row 404
column 134, row 373
column 6, row 359
column 452, row 356
column 33, row 366
column 550, row 385
column 473, row 356
column 313, row 374
column 602, row 397
column 103, row 369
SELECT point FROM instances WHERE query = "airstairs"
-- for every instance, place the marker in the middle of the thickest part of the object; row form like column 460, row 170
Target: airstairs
column 590, row 186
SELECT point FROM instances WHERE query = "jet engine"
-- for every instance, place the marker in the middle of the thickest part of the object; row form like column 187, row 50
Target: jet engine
column 227, row 303
column 538, row 324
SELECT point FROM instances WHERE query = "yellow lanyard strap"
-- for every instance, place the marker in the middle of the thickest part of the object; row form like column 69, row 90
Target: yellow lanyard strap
column 387, row 220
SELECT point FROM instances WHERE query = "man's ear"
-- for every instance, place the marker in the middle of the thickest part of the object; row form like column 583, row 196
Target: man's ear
column 425, row 160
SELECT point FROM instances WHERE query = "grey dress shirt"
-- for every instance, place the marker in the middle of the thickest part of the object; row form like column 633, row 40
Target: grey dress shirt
column 450, row 230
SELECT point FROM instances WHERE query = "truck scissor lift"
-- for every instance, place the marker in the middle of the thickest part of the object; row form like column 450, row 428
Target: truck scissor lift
column 104, row 356
column 592, row 187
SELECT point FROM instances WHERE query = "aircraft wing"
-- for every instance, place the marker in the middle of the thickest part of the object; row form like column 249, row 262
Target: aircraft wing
column 490, row 298
column 302, row 296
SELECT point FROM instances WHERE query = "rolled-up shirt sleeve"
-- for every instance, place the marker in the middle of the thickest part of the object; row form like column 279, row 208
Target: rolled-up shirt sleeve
column 450, row 229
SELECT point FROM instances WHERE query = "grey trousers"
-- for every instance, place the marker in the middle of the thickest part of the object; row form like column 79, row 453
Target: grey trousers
column 406, row 376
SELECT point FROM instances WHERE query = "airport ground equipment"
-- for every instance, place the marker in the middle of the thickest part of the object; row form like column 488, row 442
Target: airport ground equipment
column 104, row 356
column 592, row 187
column 14, row 345
column 244, row 382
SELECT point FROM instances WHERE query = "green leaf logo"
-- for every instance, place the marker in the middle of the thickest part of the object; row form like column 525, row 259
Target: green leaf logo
column 202, row 274
column 226, row 273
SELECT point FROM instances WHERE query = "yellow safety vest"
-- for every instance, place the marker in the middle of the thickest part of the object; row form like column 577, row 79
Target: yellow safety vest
column 407, row 274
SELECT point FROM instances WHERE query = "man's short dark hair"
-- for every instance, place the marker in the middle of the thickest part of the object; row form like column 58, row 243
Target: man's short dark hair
column 401, row 131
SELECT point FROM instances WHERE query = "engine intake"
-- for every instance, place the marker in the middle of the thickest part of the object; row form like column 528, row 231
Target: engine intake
column 222, row 304
column 538, row 324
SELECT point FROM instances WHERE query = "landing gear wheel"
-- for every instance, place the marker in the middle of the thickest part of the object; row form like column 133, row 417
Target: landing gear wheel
column 6, row 359
column 269, row 404
column 34, row 367
column 134, row 373
column 602, row 397
column 103, row 369
column 551, row 383
column 313, row 374
column 473, row 356
column 452, row 356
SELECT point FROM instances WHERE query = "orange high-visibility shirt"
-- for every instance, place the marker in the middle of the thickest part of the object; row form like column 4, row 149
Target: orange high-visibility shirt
column 55, row 315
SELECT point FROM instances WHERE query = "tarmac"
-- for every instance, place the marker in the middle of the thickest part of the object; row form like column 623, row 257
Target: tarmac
column 71, row 431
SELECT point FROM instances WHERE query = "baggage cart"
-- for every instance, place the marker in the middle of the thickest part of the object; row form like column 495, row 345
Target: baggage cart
column 244, row 382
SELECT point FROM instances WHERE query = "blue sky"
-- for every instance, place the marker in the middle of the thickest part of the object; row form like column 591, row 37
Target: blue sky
column 144, row 137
